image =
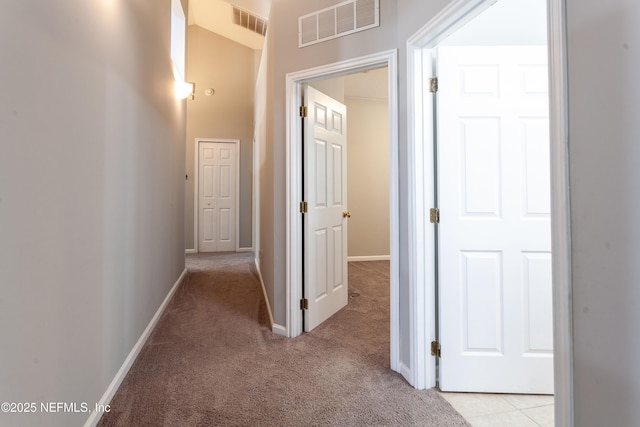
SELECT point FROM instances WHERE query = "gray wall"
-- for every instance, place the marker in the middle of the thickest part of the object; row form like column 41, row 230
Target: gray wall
column 229, row 68
column 604, row 65
column 91, row 193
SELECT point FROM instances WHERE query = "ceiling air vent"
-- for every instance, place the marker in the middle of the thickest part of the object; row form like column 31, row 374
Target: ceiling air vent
column 249, row 21
column 336, row 21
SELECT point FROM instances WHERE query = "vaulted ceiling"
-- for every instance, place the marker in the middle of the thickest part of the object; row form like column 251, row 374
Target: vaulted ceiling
column 217, row 16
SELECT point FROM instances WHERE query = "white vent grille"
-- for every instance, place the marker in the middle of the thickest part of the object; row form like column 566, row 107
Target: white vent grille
column 340, row 20
column 249, row 21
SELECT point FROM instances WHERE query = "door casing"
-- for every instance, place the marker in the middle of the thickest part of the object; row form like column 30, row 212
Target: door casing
column 420, row 135
column 294, row 257
column 196, row 190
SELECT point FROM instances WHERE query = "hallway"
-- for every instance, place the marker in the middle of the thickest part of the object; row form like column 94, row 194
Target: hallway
column 213, row 361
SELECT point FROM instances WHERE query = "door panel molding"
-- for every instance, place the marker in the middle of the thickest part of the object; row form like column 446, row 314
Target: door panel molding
column 420, row 131
column 196, row 191
column 294, row 83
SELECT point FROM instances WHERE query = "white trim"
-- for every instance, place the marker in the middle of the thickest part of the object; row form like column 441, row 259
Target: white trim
column 279, row 330
column 455, row 14
column 369, row 258
column 421, row 368
column 190, row 251
column 294, row 82
column 196, row 189
column 560, row 215
column 128, row 362
column 264, row 293
column 404, row 370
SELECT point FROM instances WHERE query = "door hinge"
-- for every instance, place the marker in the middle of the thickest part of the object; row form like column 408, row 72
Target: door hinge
column 303, row 207
column 434, row 215
column 435, row 348
column 304, row 304
column 303, row 111
column 433, row 84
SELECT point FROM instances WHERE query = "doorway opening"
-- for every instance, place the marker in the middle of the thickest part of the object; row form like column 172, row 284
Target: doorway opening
column 295, row 83
column 345, row 187
column 422, row 173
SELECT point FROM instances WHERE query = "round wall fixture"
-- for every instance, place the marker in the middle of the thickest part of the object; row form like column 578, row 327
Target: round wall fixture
column 209, row 92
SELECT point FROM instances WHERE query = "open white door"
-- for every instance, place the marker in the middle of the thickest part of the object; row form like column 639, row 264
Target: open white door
column 217, row 196
column 495, row 296
column 325, row 223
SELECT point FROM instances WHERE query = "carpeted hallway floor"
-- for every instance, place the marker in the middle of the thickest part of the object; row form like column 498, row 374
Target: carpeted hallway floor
column 212, row 360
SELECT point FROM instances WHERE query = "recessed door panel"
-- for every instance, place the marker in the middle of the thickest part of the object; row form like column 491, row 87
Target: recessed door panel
column 482, row 192
column 482, row 308
column 337, row 152
column 321, row 173
column 338, row 255
column 321, row 251
column 537, row 172
column 226, row 180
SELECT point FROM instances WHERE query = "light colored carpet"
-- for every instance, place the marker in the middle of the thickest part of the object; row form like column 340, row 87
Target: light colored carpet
column 212, row 360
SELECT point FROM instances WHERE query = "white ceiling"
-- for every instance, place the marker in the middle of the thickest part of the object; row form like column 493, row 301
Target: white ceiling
column 507, row 22
column 217, row 16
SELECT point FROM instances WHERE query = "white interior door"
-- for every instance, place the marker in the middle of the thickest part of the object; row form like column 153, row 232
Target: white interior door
column 217, row 163
column 325, row 191
column 495, row 298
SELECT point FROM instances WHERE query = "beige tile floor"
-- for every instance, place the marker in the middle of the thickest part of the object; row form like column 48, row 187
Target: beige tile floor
column 503, row 410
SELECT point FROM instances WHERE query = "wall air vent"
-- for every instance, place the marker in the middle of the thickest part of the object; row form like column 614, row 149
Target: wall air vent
column 336, row 21
column 249, row 21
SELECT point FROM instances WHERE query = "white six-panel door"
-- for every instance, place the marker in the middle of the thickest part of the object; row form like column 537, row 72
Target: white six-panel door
column 217, row 163
column 325, row 191
column 495, row 300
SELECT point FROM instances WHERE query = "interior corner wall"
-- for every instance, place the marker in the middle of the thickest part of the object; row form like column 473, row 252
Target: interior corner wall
column 229, row 68
column 91, row 194
column 605, row 205
column 271, row 235
column 263, row 206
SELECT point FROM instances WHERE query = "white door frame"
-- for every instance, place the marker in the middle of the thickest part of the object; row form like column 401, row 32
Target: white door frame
column 421, row 196
column 196, row 190
column 294, row 259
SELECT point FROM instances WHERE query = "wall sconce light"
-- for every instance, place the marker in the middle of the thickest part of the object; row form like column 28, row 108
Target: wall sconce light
column 185, row 90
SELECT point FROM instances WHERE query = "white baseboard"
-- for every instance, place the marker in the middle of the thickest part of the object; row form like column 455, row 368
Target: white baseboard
column 264, row 293
column 405, row 371
column 190, row 251
column 128, row 362
column 245, row 250
column 279, row 330
column 369, row 258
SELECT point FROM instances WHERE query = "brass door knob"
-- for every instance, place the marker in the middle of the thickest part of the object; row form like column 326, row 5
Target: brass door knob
column 346, row 214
